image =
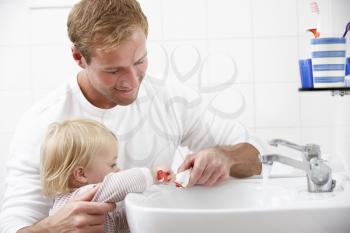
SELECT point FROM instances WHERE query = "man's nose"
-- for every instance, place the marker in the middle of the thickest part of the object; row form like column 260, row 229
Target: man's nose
column 129, row 77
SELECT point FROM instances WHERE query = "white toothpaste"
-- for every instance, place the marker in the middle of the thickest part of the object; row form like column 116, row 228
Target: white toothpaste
column 183, row 178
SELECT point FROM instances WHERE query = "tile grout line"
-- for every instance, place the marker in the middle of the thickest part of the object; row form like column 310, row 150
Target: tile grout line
column 299, row 93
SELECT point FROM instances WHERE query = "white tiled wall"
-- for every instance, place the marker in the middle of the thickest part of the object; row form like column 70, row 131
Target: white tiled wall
column 274, row 18
column 276, row 60
column 264, row 38
column 225, row 17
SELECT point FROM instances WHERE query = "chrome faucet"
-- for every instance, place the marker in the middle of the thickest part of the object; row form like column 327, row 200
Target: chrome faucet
column 318, row 173
column 309, row 150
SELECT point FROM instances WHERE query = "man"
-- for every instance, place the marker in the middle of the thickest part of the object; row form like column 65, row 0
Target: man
column 150, row 121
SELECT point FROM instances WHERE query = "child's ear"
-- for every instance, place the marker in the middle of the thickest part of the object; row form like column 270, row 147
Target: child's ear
column 79, row 175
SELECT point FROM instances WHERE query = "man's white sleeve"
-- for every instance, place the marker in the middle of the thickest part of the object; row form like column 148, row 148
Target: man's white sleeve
column 23, row 203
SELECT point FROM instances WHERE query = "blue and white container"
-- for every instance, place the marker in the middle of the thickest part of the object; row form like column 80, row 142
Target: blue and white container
column 328, row 61
column 347, row 72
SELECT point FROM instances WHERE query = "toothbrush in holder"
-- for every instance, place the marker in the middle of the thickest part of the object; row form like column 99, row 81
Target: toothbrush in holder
column 347, row 28
column 315, row 10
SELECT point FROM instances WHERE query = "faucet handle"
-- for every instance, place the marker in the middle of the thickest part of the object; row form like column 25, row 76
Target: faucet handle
column 309, row 150
column 320, row 172
column 320, row 176
column 312, row 151
column 276, row 142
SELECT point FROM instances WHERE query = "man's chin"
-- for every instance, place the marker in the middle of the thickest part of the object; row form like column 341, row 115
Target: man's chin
column 125, row 101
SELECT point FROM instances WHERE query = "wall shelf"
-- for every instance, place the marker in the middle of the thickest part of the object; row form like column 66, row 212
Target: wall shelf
column 335, row 90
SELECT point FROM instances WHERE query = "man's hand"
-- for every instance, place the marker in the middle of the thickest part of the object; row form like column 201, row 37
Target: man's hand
column 78, row 215
column 210, row 167
column 214, row 165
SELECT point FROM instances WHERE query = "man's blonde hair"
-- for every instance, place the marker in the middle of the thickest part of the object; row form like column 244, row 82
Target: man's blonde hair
column 67, row 145
column 104, row 24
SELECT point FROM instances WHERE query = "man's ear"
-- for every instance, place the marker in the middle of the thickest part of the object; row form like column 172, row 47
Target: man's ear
column 78, row 57
column 79, row 176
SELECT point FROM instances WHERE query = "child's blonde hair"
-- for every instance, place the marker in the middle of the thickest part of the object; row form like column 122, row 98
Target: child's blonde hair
column 67, row 145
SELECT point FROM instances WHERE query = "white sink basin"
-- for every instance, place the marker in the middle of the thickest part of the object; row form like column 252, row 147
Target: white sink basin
column 284, row 205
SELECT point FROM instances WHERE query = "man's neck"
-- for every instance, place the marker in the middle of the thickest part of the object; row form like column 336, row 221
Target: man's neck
column 92, row 95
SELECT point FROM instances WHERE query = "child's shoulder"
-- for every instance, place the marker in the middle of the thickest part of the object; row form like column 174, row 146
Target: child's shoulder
column 83, row 190
column 77, row 192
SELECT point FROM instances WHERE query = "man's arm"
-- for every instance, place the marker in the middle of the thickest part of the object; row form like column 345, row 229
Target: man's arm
column 214, row 165
column 244, row 159
column 78, row 215
column 40, row 227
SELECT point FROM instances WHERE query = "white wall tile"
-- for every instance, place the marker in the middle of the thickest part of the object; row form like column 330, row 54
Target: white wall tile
column 186, row 58
column 341, row 112
column 304, row 46
column 158, row 61
column 340, row 17
column 15, row 67
column 51, row 66
column 153, row 11
column 39, row 94
column 274, row 18
column 341, row 139
column 229, row 18
column 14, row 22
column 248, row 116
column 35, row 4
column 48, row 26
column 241, row 50
column 13, row 103
column 277, row 105
column 185, row 19
column 236, row 102
column 218, row 69
column 317, row 108
column 276, row 60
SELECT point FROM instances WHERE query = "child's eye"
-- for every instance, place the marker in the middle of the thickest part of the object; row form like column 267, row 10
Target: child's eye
column 113, row 165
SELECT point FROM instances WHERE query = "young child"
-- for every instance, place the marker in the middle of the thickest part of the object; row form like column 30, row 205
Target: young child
column 77, row 155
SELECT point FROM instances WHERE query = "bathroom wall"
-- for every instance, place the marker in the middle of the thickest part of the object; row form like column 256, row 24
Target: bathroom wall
column 264, row 39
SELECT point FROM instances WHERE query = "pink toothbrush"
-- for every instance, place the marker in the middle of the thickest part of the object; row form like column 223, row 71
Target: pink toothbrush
column 315, row 10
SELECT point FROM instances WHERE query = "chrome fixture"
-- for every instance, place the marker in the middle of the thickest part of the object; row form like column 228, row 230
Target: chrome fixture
column 318, row 173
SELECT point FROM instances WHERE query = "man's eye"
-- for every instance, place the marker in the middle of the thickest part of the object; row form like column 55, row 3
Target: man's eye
column 140, row 62
column 113, row 72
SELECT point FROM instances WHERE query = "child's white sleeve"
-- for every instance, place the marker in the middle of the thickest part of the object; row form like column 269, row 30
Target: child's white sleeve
column 116, row 186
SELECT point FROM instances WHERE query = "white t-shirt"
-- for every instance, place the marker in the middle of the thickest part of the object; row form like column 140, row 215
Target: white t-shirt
column 149, row 131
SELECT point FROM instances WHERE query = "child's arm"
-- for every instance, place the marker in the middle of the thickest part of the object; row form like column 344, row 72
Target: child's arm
column 115, row 186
